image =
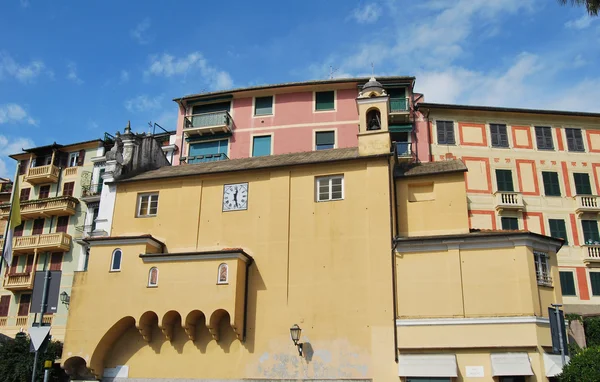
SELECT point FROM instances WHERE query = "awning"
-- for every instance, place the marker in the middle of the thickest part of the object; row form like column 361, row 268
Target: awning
column 553, row 364
column 427, row 365
column 406, row 128
column 510, row 364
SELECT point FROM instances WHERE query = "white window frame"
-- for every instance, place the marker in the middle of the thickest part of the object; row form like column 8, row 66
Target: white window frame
column 320, row 179
column 335, row 138
column 542, row 275
column 112, row 260
column 149, row 195
column 254, row 115
column 315, row 101
column 260, row 136
column 223, row 265
column 73, row 156
column 150, row 284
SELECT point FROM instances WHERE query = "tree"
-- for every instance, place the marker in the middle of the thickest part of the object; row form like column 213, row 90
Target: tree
column 583, row 367
column 592, row 6
column 16, row 361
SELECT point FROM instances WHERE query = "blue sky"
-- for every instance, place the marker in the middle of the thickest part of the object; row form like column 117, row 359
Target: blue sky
column 71, row 70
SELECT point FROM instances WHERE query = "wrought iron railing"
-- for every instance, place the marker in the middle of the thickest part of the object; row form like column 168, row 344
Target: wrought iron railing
column 206, row 158
column 398, row 104
column 91, row 190
column 217, row 118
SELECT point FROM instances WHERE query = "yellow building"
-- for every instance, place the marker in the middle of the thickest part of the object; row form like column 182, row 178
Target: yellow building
column 208, row 266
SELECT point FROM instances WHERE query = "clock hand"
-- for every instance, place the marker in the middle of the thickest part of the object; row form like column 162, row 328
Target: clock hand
column 235, row 197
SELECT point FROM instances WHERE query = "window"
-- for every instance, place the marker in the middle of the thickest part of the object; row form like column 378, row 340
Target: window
column 590, row 231
column 330, row 188
column 574, row 140
column 263, row 105
column 147, row 205
column 504, row 180
column 68, row 188
column 153, row 277
column 445, row 132
column 543, row 137
column 19, row 230
column 24, row 194
column 23, row 165
column 38, row 226
column 325, row 100
column 582, row 184
column 73, row 159
column 62, row 224
column 324, row 140
column 115, row 261
column 402, row 143
column 261, row 146
column 567, row 283
column 223, row 277
column 29, row 264
column 542, row 268
column 510, row 223
column 4, row 305
column 44, row 191
column 551, row 185
column 208, row 151
column 499, row 135
column 595, row 281
column 24, row 302
column 558, row 229
column 56, row 261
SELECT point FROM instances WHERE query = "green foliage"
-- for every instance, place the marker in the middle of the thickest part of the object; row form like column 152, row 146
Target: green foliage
column 16, row 362
column 592, row 6
column 592, row 331
column 584, row 367
column 573, row 348
column 573, row 317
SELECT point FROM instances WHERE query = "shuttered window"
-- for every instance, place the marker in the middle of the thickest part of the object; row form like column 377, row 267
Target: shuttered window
column 324, row 140
column 263, row 105
column 504, row 180
column 543, row 137
column 24, row 302
column 567, row 283
column 29, row 264
column 325, row 100
column 551, row 185
column 23, row 165
column 62, row 224
column 19, row 230
column 261, row 146
column 56, row 261
column 38, row 226
column 590, row 231
column 14, row 264
column 81, row 158
column 4, row 305
column 595, row 281
column 510, row 223
column 445, row 132
column 499, row 135
column 574, row 140
column 24, row 196
column 68, row 188
column 44, row 191
column 558, row 229
column 582, row 184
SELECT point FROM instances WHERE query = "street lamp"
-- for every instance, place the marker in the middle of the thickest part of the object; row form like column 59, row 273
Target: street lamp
column 65, row 298
column 295, row 333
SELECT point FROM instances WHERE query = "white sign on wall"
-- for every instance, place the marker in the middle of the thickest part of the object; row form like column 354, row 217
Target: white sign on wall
column 117, row 372
column 474, row 371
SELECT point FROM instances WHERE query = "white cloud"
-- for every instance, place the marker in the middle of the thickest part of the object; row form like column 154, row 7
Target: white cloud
column 581, row 23
column 167, row 65
column 8, row 146
column 143, row 103
column 72, row 73
column 14, row 113
column 366, row 14
column 23, row 72
column 139, row 33
column 124, row 76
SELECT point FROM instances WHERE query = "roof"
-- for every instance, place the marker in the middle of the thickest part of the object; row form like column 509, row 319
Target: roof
column 123, row 238
column 431, row 168
column 245, row 164
column 425, row 105
column 198, row 254
column 54, row 146
column 388, row 79
column 475, row 233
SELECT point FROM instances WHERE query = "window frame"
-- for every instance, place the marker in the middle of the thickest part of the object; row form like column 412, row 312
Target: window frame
column 541, row 261
column 150, row 284
column 545, row 137
column 498, row 134
column 572, row 273
column 226, row 281
column 271, row 145
column 316, row 92
column 329, row 179
column 112, row 260
column 574, row 147
column 583, row 231
column 72, row 188
column 73, row 155
column 49, row 188
column 549, row 187
column 254, row 114
column 591, row 286
column 566, row 238
column 317, row 132
column 509, row 218
column 139, row 204
column 446, row 130
column 589, row 183
column 512, row 183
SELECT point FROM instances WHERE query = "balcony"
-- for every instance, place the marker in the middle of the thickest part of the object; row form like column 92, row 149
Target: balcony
column 51, row 242
column 398, row 105
column 206, row 158
column 19, row 281
column 403, row 150
column 91, row 192
column 43, row 208
column 591, row 253
column 587, row 204
column 208, row 123
column 42, row 174
column 510, row 201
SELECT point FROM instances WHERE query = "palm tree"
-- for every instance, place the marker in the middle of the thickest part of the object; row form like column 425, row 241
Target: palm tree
column 592, row 6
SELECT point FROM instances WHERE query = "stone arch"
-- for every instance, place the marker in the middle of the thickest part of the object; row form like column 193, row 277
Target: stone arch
column 76, row 368
column 107, row 341
column 373, row 119
column 213, row 323
column 168, row 323
column 145, row 324
column 191, row 320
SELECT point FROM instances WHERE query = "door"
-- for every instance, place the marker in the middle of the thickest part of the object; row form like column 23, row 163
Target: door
column 24, row 302
column 38, row 226
column 29, row 264
column 56, row 261
column 62, row 224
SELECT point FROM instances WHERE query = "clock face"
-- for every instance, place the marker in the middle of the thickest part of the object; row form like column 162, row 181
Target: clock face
column 235, row 197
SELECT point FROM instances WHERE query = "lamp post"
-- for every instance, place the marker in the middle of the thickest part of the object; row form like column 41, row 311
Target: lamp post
column 295, row 332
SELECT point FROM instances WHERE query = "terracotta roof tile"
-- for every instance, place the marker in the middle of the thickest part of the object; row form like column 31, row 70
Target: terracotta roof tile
column 431, row 168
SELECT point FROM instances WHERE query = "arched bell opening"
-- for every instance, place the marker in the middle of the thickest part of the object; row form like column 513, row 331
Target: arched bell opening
column 373, row 119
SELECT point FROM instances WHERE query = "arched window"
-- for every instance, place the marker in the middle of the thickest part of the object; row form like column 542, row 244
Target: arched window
column 373, row 120
column 153, row 277
column 115, row 262
column 223, row 274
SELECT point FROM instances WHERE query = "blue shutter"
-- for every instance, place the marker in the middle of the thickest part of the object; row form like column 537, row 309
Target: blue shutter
column 261, row 146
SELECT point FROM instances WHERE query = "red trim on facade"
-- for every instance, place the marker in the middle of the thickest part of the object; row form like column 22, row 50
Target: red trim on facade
column 526, row 129
column 584, row 292
column 559, row 139
column 518, row 162
column 483, row 134
column 574, row 229
column 539, row 215
column 492, row 214
column 487, row 172
column 596, row 180
column 565, row 172
column 589, row 134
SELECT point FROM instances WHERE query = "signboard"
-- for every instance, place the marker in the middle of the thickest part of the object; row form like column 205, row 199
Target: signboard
column 52, row 292
column 556, row 324
column 474, row 371
column 39, row 336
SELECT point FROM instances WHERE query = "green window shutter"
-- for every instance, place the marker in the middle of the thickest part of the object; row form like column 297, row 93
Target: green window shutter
column 558, row 229
column 263, row 105
column 590, row 231
column 595, row 281
column 325, row 100
column 567, row 284
column 261, row 146
column 582, row 184
column 325, row 140
column 504, row 180
column 551, row 185
column 510, row 223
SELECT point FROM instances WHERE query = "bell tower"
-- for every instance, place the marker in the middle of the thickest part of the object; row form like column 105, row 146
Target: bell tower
column 373, row 132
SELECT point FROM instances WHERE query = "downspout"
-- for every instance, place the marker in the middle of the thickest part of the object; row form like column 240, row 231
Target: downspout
column 392, row 191
column 181, row 151
column 414, row 123
column 246, row 299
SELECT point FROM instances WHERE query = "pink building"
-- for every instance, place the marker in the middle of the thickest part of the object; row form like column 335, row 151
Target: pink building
column 293, row 117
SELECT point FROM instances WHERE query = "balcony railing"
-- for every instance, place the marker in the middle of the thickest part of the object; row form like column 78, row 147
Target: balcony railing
column 19, row 281
column 3, row 321
column 208, row 123
column 43, row 208
column 587, row 204
column 50, row 242
column 206, row 158
column 509, row 201
column 42, row 174
column 403, row 149
column 591, row 253
column 22, row 321
column 70, row 171
column 91, row 192
column 398, row 105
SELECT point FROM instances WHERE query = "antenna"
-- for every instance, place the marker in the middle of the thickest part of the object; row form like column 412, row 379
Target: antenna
column 372, row 70
column 332, row 71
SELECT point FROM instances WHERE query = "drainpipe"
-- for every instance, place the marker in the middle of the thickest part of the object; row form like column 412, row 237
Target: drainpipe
column 413, row 113
column 392, row 191
column 250, row 261
column 181, row 151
